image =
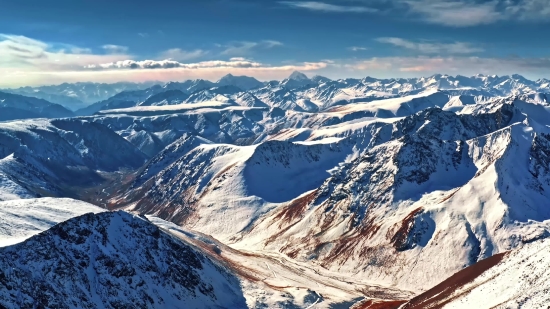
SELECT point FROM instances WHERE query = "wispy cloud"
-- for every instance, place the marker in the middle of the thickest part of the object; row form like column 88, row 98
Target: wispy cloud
column 357, row 48
column 80, row 50
column 432, row 47
column 465, row 13
column 245, row 48
column 182, row 55
column 21, row 53
column 115, row 49
column 400, row 66
column 327, row 7
column 143, row 34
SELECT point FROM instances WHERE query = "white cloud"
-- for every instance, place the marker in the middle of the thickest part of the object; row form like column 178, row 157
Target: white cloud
column 271, row 43
column 358, row 48
column 143, row 34
column 245, row 48
column 414, row 66
column 180, row 54
column 81, row 50
column 115, row 49
column 432, row 47
column 170, row 64
column 327, row 7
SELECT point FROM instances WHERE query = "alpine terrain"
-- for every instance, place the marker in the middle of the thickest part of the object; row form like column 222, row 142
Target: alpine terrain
column 307, row 192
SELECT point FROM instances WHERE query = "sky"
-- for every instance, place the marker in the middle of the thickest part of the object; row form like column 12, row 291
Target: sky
column 55, row 41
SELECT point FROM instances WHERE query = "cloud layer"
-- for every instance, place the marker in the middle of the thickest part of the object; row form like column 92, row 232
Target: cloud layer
column 327, row 7
column 423, row 65
column 432, row 47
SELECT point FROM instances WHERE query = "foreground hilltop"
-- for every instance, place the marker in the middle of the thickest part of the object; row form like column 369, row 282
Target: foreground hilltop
column 112, row 260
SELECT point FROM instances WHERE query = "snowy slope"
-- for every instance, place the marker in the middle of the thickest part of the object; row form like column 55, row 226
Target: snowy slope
column 112, row 260
column 272, row 280
column 357, row 194
column 213, row 180
column 21, row 219
column 516, row 279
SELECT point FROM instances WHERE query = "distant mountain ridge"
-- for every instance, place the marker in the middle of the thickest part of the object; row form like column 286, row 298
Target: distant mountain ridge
column 13, row 106
column 320, row 91
column 78, row 95
column 300, row 93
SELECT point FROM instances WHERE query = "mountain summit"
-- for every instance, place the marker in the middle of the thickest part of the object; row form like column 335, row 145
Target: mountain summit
column 243, row 82
column 298, row 76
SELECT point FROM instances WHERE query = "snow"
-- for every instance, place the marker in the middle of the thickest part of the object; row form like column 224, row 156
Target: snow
column 21, row 219
column 273, row 280
column 518, row 280
column 164, row 108
column 397, row 107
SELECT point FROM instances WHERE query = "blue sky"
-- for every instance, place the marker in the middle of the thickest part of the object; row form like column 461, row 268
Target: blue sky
column 63, row 40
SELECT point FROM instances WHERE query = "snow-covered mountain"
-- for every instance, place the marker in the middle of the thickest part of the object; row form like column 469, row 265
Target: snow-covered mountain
column 300, row 93
column 56, row 157
column 365, row 189
column 242, row 82
column 112, row 260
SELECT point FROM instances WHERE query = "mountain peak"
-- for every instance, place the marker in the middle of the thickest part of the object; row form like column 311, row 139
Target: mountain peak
column 243, row 82
column 134, row 257
column 320, row 79
column 298, row 76
column 517, row 76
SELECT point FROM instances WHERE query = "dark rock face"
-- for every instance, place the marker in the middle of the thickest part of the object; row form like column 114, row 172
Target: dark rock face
column 540, row 155
column 111, row 260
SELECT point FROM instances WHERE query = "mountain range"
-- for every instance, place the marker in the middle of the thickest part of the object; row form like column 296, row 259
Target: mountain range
column 301, row 193
column 297, row 92
column 77, row 95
